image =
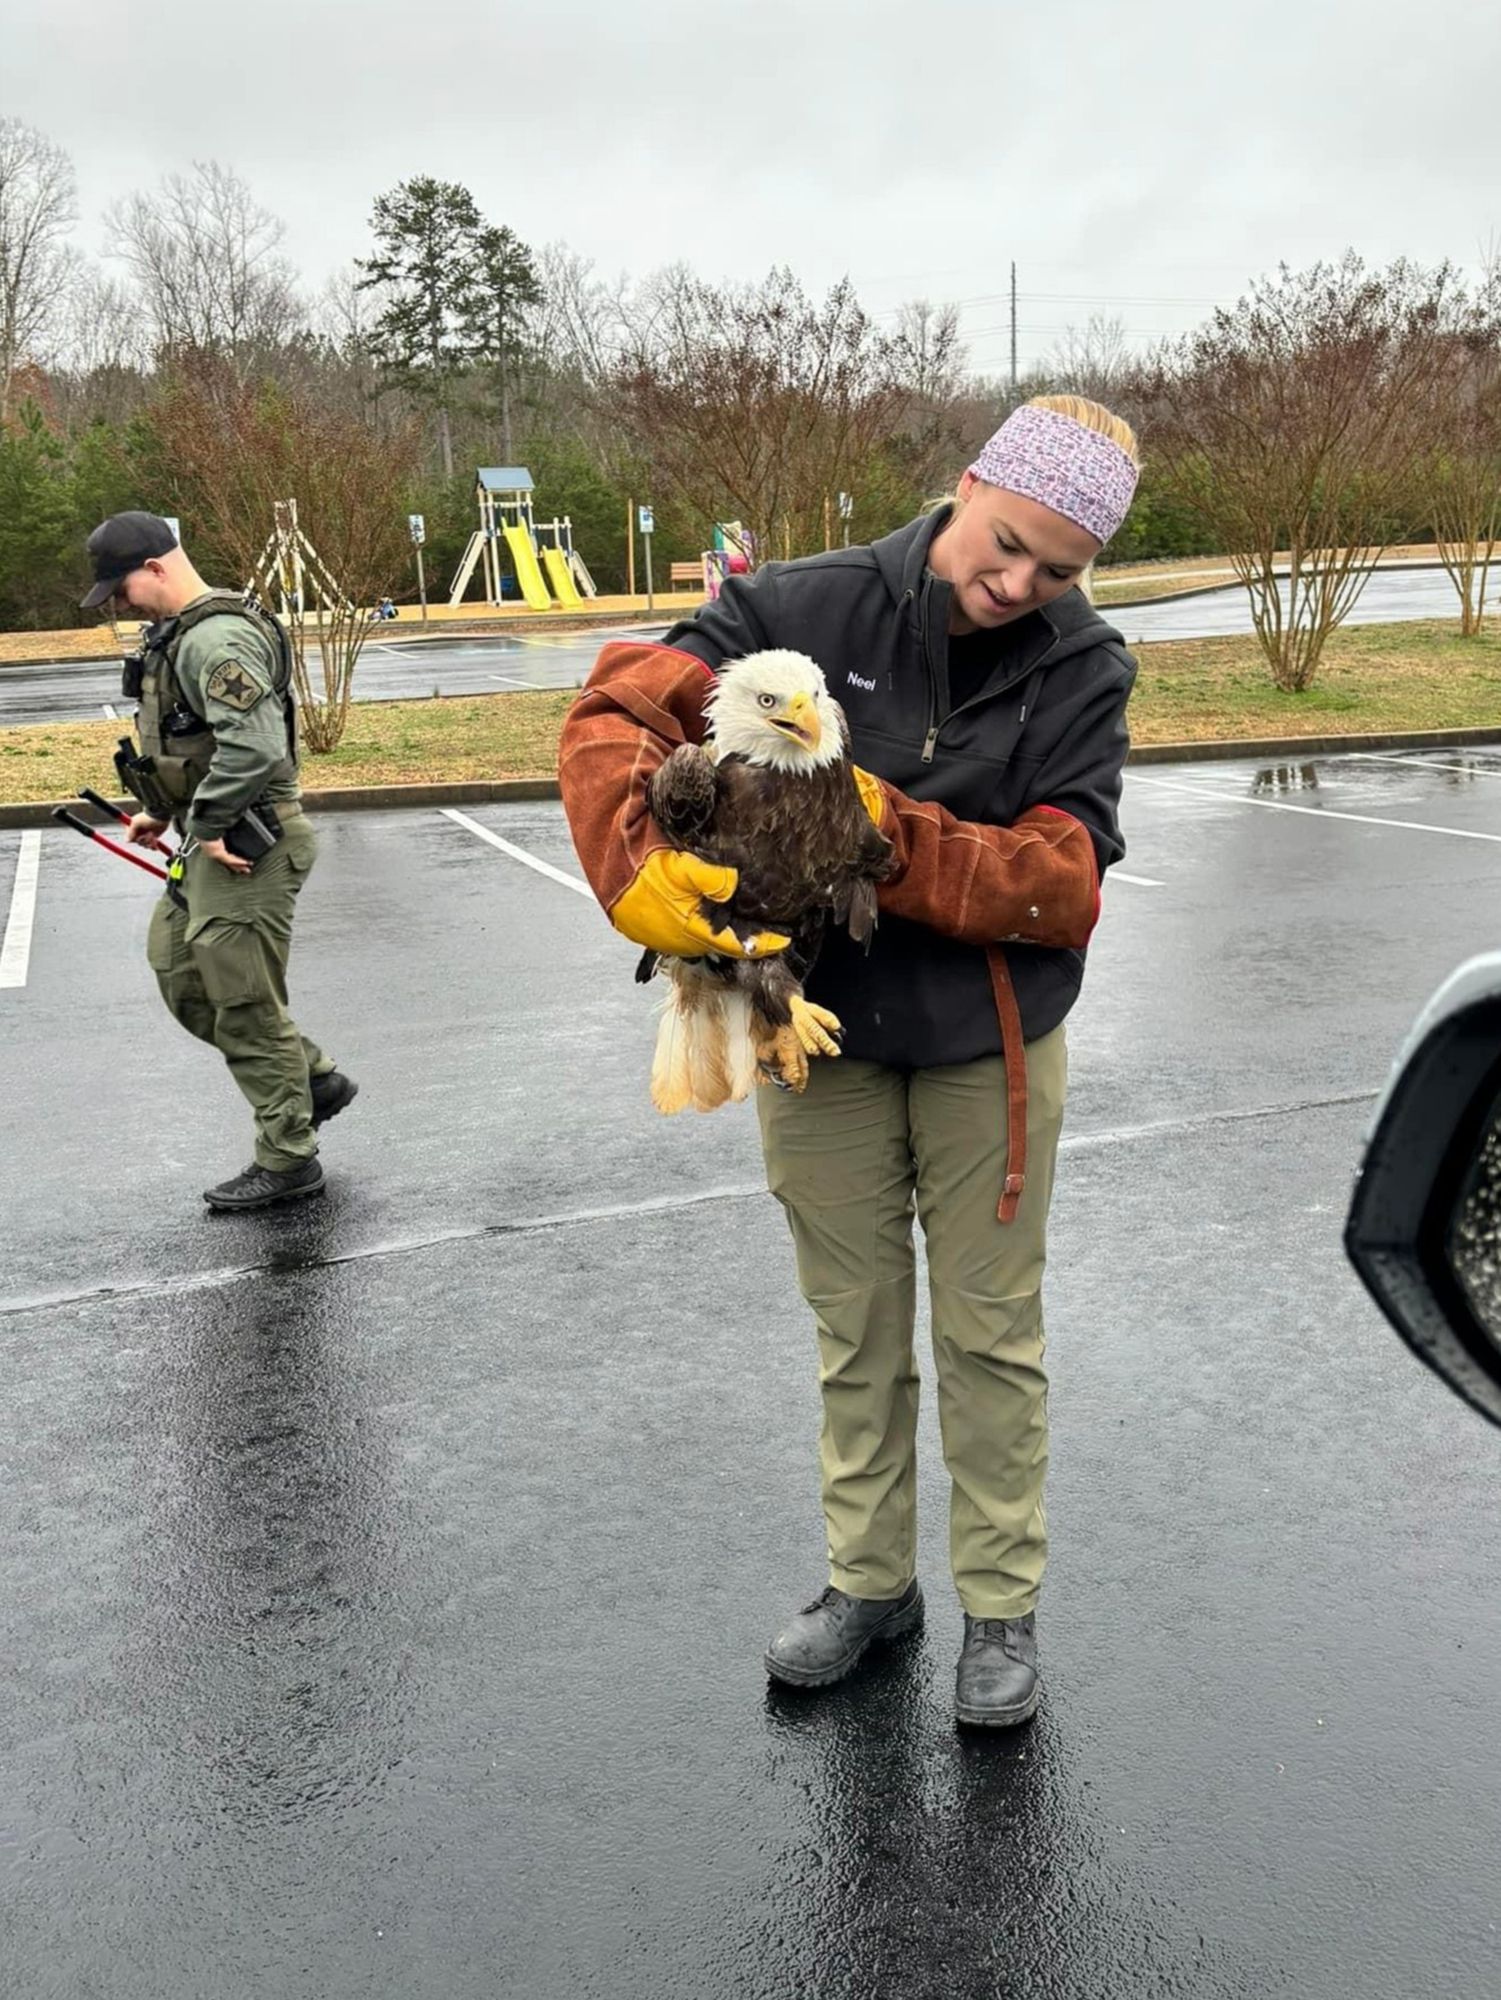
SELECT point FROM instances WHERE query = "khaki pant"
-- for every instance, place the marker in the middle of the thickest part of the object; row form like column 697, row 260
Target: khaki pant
column 222, row 970
column 849, row 1160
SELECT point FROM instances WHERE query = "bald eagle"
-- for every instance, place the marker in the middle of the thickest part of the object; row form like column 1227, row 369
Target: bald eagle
column 771, row 793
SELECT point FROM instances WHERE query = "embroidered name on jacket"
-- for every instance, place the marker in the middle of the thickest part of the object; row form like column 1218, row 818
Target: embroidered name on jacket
column 856, row 682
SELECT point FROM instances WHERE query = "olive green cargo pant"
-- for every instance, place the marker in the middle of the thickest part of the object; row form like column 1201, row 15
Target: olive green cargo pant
column 849, row 1160
column 222, row 969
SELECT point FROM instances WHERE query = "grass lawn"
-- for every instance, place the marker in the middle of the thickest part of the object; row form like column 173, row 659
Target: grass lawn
column 1374, row 678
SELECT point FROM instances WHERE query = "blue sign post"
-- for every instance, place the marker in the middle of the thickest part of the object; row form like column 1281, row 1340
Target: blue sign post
column 645, row 523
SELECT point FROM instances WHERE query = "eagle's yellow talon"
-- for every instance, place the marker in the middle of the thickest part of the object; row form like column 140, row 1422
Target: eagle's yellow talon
column 815, row 1028
column 786, row 1060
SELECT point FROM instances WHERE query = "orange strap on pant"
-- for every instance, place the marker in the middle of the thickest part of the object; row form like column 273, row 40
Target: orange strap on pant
column 1014, row 1053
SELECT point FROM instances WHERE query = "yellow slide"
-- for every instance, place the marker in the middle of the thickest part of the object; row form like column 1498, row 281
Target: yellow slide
column 524, row 556
column 564, row 589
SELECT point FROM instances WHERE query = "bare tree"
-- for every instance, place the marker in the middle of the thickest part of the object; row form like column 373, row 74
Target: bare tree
column 343, row 325
column 104, row 329
column 1458, row 475
column 203, row 253
column 580, row 321
column 1094, row 360
column 104, row 355
column 238, row 453
column 1292, row 423
column 38, row 206
column 927, row 358
column 754, row 402
column 928, row 351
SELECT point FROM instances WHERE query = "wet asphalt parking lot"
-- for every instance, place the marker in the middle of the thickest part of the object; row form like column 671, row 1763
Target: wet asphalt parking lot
column 383, row 1586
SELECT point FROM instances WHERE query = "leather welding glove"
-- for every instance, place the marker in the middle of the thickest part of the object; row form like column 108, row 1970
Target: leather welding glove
column 661, row 909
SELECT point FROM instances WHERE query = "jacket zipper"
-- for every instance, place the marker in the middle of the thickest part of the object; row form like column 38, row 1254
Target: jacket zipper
column 935, row 720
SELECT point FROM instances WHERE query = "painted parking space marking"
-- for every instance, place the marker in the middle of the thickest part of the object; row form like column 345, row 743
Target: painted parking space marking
column 15, row 952
column 572, row 881
column 1422, row 763
column 1224, row 798
column 517, row 853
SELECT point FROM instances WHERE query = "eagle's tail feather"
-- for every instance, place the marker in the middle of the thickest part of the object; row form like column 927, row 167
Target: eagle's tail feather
column 671, row 1085
column 862, row 913
column 703, row 1056
column 708, row 1078
column 740, row 1053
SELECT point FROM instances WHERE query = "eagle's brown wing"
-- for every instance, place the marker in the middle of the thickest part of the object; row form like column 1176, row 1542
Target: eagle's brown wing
column 682, row 794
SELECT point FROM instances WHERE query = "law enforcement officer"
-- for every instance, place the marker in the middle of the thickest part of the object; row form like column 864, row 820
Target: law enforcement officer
column 218, row 759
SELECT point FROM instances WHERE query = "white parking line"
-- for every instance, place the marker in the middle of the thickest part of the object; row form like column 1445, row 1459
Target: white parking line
column 15, row 952
column 583, row 889
column 1421, row 763
column 516, row 853
column 507, row 680
column 1184, row 791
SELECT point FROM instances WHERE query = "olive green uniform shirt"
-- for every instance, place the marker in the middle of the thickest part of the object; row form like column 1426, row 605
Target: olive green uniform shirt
column 227, row 670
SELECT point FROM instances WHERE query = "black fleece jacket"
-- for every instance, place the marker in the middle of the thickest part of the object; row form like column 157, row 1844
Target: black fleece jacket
column 1047, row 729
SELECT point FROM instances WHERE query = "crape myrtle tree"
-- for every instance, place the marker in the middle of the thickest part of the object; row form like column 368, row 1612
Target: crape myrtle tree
column 234, row 452
column 1292, row 424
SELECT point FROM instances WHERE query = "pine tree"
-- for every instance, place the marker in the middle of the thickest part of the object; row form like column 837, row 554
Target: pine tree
column 425, row 264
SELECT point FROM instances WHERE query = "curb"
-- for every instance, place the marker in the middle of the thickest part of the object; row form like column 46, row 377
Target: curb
column 386, row 798
column 353, row 798
column 1310, row 746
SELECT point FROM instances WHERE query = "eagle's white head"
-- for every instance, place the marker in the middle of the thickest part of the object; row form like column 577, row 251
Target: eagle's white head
column 775, row 708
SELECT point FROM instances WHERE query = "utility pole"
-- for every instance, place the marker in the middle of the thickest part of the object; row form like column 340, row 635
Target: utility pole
column 1013, row 322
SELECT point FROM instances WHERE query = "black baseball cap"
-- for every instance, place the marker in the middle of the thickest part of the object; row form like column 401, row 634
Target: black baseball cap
column 121, row 544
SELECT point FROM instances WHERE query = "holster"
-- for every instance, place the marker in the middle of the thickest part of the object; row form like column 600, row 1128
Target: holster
column 253, row 833
column 138, row 776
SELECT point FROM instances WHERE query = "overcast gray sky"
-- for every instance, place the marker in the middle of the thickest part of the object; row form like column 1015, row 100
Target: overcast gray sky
column 1140, row 160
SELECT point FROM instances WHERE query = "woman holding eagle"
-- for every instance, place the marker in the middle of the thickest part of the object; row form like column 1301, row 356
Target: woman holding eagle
column 985, row 705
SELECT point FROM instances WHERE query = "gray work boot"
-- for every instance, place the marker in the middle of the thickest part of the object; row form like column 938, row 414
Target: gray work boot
column 261, row 1187
column 996, row 1685
column 829, row 1637
column 331, row 1093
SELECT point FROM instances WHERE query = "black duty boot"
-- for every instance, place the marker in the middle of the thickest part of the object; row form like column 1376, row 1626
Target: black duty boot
column 830, row 1635
column 260, row 1187
column 997, row 1679
column 331, row 1093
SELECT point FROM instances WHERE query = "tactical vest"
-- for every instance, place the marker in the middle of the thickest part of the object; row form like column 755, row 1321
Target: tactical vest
column 176, row 741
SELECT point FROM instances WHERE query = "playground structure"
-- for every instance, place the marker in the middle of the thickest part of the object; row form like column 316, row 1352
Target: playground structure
column 733, row 554
column 550, row 571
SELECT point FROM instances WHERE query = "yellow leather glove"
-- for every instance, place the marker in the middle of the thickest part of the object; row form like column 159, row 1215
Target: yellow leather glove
column 872, row 794
column 661, row 909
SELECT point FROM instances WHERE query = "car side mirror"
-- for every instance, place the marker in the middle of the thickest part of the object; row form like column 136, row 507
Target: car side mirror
column 1424, row 1228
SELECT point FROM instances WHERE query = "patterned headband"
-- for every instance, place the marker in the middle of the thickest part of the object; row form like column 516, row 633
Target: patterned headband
column 1078, row 472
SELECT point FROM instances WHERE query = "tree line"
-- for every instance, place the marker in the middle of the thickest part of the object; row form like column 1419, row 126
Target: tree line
column 1330, row 412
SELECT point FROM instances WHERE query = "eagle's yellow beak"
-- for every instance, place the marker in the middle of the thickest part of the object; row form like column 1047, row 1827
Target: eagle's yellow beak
column 800, row 719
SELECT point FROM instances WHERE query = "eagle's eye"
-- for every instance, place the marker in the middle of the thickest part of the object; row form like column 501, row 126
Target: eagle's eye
column 767, row 700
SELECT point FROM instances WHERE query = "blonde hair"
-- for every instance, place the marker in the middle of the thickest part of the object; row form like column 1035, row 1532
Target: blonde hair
column 1094, row 417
